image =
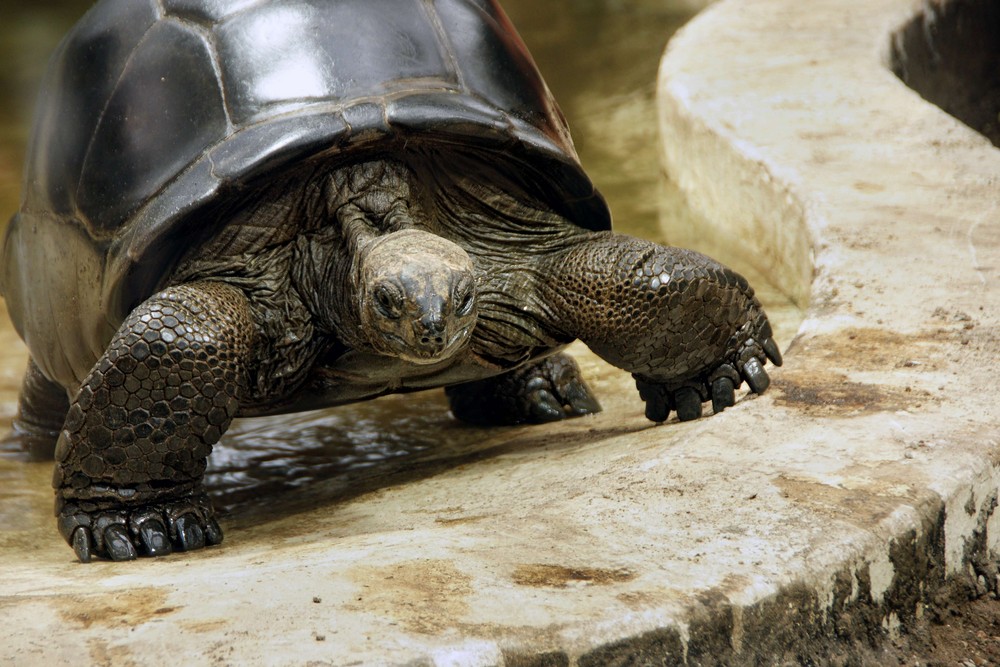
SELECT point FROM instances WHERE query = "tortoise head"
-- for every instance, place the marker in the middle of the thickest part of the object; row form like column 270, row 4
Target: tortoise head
column 418, row 296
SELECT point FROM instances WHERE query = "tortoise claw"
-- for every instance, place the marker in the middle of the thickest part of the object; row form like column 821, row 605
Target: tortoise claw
column 561, row 391
column 83, row 544
column 658, row 400
column 117, row 543
column 126, row 534
column 719, row 385
column 756, row 376
column 723, row 394
column 772, row 351
column 544, row 391
column 154, row 537
column 190, row 535
column 657, row 411
column 543, row 407
column 688, row 403
column 213, row 533
column 579, row 400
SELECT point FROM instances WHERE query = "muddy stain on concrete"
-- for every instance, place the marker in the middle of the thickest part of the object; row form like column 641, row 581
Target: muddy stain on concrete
column 858, row 506
column 539, row 575
column 428, row 597
column 475, row 518
column 868, row 349
column 918, row 364
column 103, row 655
column 210, row 625
column 829, row 394
column 641, row 599
column 127, row 608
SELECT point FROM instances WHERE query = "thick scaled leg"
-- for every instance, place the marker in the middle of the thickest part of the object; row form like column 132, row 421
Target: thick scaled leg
column 687, row 328
column 544, row 391
column 135, row 442
column 41, row 411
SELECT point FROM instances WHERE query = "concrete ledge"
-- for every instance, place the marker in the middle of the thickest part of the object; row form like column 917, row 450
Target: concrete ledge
column 784, row 124
column 806, row 525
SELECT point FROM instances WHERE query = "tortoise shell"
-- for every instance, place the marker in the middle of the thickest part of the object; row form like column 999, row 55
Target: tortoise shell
column 153, row 110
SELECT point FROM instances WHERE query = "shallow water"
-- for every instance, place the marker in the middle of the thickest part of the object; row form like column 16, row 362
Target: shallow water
column 600, row 58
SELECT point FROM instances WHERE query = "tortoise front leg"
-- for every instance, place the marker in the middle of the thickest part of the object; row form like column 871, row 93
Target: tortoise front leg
column 687, row 328
column 134, row 447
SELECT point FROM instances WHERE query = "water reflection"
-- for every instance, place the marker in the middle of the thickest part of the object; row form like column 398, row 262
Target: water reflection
column 599, row 57
column 349, row 448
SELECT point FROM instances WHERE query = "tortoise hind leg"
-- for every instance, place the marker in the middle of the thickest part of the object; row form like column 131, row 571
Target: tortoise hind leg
column 41, row 410
column 133, row 451
column 544, row 391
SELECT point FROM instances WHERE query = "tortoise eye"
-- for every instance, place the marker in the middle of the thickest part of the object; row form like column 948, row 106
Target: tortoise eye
column 387, row 301
column 465, row 302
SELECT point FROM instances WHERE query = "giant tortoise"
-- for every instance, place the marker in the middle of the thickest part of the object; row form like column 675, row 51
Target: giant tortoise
column 248, row 207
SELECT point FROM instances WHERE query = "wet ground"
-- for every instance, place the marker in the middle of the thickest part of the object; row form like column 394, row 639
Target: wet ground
column 599, row 58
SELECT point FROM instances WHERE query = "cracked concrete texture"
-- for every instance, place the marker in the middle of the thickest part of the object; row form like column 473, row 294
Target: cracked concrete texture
column 808, row 522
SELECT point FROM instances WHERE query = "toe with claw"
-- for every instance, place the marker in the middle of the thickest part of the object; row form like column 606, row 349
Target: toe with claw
column 545, row 391
column 126, row 534
column 719, row 386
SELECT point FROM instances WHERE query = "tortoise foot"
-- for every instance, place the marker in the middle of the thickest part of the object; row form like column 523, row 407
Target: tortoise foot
column 718, row 386
column 152, row 530
column 548, row 390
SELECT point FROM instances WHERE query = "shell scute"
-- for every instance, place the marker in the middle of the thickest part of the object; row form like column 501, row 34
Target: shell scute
column 166, row 108
column 333, row 51
column 153, row 111
column 80, row 79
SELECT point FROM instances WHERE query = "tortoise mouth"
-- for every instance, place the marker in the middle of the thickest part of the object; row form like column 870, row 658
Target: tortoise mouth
column 425, row 354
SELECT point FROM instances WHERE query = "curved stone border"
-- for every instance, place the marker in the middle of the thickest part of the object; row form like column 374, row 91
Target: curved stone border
column 820, row 516
column 784, row 124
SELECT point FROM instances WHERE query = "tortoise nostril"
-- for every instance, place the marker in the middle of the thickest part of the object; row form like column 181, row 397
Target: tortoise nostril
column 428, row 340
column 432, row 326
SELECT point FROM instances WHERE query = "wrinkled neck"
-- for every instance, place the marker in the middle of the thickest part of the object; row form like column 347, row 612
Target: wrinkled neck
column 365, row 202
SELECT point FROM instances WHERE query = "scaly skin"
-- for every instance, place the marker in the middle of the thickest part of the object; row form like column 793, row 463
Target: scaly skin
column 686, row 327
column 257, row 307
column 138, row 433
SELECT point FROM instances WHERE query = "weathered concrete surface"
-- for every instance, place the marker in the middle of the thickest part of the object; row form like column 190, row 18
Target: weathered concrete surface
column 828, row 510
column 785, row 125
